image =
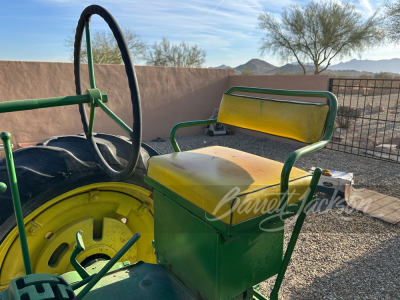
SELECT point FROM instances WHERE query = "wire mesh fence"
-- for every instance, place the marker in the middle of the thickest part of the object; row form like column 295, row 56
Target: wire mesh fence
column 367, row 122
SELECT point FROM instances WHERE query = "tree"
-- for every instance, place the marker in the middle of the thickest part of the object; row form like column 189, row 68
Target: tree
column 175, row 55
column 392, row 20
column 247, row 70
column 105, row 48
column 319, row 32
column 383, row 75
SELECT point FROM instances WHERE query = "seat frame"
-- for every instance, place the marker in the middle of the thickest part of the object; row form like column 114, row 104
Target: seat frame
column 284, row 211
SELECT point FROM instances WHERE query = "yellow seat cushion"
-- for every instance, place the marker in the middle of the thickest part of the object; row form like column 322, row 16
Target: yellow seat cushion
column 231, row 185
column 301, row 121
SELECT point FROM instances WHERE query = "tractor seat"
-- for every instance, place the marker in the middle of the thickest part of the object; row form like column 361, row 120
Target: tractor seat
column 229, row 184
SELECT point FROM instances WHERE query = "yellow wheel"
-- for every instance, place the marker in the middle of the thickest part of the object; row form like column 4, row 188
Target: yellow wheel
column 108, row 213
column 56, row 206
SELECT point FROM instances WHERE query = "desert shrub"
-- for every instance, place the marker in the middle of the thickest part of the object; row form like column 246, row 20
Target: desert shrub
column 383, row 75
column 346, row 116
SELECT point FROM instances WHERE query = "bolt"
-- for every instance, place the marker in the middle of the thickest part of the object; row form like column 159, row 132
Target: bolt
column 142, row 209
column 146, row 282
column 95, row 197
column 33, row 229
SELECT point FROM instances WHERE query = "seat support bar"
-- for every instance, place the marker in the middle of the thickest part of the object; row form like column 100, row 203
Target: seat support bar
column 295, row 234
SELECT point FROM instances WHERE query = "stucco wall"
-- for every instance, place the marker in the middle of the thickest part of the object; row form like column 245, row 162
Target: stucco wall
column 168, row 96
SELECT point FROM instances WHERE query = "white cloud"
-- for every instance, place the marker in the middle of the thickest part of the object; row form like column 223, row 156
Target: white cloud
column 226, row 29
column 366, row 5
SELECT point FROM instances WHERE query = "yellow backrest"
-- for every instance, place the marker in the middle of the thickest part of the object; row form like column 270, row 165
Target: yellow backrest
column 301, row 121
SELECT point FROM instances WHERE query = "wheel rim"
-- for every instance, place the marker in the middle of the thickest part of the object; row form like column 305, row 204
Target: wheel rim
column 108, row 213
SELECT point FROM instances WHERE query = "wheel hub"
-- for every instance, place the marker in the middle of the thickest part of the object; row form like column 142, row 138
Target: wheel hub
column 107, row 213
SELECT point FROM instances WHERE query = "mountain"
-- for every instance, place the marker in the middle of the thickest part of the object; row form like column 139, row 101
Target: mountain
column 353, row 68
column 258, row 66
column 221, row 67
column 292, row 68
column 383, row 65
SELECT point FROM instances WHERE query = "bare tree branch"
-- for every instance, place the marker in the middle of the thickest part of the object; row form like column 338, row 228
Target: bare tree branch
column 175, row 55
column 105, row 49
column 320, row 31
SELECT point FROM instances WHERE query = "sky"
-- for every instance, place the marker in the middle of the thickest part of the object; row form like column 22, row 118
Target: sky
column 226, row 29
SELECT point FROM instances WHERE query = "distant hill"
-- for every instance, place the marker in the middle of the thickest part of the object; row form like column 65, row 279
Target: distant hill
column 292, row 68
column 375, row 66
column 258, row 66
column 351, row 68
column 221, row 67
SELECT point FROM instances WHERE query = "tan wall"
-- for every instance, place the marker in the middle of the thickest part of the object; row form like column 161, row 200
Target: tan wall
column 289, row 82
column 168, row 96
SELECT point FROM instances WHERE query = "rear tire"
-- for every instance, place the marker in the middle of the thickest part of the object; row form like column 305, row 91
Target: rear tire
column 59, row 165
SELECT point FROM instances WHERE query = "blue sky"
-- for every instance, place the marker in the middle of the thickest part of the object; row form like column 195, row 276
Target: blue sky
column 226, row 29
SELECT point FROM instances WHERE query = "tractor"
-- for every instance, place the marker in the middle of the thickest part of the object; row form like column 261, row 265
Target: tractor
column 98, row 216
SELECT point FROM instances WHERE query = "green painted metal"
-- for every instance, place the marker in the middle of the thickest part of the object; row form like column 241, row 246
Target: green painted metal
column 187, row 124
column 29, row 104
column 200, row 256
column 108, row 266
column 91, row 78
column 6, row 136
column 231, row 231
column 78, row 249
column 259, row 296
column 113, row 116
column 82, row 282
column 183, row 244
column 94, row 95
column 76, row 281
column 3, row 187
column 166, row 217
column 278, row 92
column 90, row 55
column 295, row 235
column 139, row 281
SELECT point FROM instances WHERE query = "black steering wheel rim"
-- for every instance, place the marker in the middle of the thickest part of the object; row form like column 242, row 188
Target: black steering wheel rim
column 136, row 136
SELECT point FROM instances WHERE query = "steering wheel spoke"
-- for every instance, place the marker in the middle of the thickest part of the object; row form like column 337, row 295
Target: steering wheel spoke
column 136, row 132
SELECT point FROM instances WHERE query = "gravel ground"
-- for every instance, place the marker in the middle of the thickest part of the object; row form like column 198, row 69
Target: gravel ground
column 341, row 253
column 376, row 136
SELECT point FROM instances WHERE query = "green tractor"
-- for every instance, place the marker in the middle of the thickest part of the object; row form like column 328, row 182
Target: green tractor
column 98, row 216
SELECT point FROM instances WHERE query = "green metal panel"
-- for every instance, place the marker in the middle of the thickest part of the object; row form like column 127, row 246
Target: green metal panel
column 140, row 281
column 200, row 256
column 230, row 232
column 108, row 266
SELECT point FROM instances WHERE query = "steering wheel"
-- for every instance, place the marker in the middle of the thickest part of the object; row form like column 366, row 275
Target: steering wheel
column 136, row 133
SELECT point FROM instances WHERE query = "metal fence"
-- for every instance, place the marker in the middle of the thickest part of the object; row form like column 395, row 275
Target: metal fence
column 367, row 122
